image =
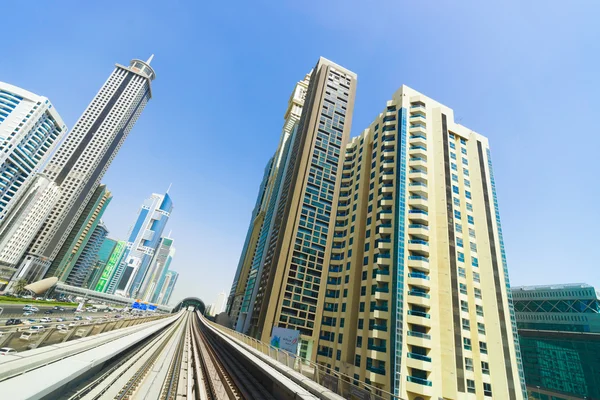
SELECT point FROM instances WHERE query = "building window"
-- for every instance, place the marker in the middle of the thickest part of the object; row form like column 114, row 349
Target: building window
column 477, row 293
column 359, row 341
column 483, row 347
column 467, row 343
column 479, row 310
column 462, row 272
column 463, row 288
column 481, row 328
column 464, row 306
column 485, row 368
column 466, row 325
column 357, row 360
column 470, row 386
column 487, row 389
column 468, row 364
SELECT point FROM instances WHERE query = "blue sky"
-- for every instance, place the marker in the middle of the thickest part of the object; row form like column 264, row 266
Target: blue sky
column 525, row 74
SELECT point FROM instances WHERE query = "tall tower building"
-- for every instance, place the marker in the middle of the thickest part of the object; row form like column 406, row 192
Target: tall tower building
column 242, row 290
column 288, row 290
column 417, row 300
column 80, row 234
column 163, row 277
column 88, row 255
column 19, row 227
column 143, row 241
column 167, row 288
column 104, row 252
column 81, row 161
column 157, row 269
column 108, row 281
column 30, row 129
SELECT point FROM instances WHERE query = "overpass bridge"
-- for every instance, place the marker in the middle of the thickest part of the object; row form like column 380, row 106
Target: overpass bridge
column 174, row 356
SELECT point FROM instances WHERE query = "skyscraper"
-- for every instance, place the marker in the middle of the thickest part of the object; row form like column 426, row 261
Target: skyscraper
column 30, row 129
column 163, row 277
column 143, row 242
column 166, row 289
column 417, row 299
column 242, row 290
column 81, row 161
column 106, row 249
column 559, row 334
column 108, row 281
column 88, row 255
column 288, row 289
column 80, row 234
column 157, row 269
column 19, row 227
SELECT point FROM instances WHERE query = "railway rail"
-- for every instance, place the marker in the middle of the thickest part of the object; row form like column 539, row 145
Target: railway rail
column 183, row 359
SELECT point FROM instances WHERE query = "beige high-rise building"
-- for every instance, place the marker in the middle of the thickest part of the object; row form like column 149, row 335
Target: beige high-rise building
column 285, row 286
column 416, row 301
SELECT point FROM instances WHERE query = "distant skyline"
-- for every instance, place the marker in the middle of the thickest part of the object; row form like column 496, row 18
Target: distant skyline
column 522, row 74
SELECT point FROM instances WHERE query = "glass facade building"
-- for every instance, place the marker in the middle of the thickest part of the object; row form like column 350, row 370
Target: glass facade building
column 561, row 364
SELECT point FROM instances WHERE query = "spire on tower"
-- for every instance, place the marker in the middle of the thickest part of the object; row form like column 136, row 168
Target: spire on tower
column 150, row 59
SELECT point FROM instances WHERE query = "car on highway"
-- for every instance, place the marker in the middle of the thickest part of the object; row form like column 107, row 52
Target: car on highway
column 89, row 318
column 45, row 320
column 30, row 308
column 36, row 328
column 62, row 328
column 72, row 324
column 60, row 319
column 78, row 318
column 7, row 351
column 48, row 312
column 13, row 321
column 26, row 313
column 118, row 316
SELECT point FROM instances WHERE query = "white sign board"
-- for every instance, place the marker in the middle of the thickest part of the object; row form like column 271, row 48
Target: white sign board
column 285, row 339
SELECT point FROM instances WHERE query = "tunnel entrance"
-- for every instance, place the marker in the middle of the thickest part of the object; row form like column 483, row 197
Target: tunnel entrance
column 190, row 302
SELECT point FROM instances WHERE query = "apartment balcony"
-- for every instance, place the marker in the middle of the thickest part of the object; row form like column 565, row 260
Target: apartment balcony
column 382, row 275
column 417, row 139
column 419, row 318
column 382, row 310
column 382, row 295
column 417, row 118
column 418, row 339
column 416, row 161
column 418, row 188
column 419, row 262
column 417, row 128
column 419, row 299
column 384, row 244
column 377, row 352
column 418, row 279
column 418, row 216
column 388, row 164
column 388, row 153
column 378, row 378
column 419, row 230
column 419, row 386
column 418, row 361
column 387, row 188
column 418, row 109
column 417, row 151
column 387, row 176
column 387, row 201
column 418, row 174
column 385, row 229
column 419, row 247
column 379, row 332
column 418, row 201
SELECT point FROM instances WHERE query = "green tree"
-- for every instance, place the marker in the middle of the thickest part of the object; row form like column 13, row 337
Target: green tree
column 20, row 285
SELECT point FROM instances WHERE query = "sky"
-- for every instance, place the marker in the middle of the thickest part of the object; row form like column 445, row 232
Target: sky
column 524, row 74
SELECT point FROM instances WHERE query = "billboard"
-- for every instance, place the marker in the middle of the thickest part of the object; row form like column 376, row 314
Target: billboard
column 111, row 264
column 285, row 339
column 151, row 307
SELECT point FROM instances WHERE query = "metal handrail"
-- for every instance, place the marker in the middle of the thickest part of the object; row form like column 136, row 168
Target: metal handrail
column 335, row 381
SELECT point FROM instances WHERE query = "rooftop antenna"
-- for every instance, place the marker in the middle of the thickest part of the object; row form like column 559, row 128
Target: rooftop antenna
column 170, row 184
column 171, row 231
column 150, row 59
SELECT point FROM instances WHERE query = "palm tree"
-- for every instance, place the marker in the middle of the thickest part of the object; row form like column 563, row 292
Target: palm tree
column 20, row 285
